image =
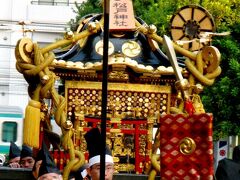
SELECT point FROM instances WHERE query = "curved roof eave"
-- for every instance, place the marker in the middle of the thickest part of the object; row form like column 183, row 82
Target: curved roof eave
column 132, row 64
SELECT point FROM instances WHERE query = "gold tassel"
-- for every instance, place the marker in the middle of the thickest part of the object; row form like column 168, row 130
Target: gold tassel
column 31, row 128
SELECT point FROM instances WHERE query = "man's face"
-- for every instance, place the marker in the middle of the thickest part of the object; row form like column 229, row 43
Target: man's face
column 50, row 176
column 14, row 160
column 94, row 171
column 27, row 162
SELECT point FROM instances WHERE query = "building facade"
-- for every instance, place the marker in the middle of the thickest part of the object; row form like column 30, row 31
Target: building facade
column 44, row 21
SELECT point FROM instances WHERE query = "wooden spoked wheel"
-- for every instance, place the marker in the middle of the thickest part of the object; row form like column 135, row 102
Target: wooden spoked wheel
column 187, row 25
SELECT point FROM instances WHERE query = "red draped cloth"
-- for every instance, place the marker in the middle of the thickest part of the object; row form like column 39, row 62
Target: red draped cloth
column 186, row 146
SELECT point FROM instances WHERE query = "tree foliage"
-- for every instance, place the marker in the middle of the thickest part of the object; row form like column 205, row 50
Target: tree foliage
column 223, row 98
column 85, row 8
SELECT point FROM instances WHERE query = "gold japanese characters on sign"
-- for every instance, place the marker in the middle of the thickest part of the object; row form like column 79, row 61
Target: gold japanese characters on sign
column 121, row 15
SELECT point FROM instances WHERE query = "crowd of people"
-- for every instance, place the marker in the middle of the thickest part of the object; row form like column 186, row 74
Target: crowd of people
column 44, row 168
column 20, row 158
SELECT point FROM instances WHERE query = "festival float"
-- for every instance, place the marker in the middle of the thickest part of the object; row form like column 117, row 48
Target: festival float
column 153, row 82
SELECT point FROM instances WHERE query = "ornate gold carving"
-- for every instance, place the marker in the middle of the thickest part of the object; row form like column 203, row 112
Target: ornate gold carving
column 69, row 35
column 23, row 50
column 131, row 48
column 186, row 26
column 187, row 146
column 68, row 124
column 92, row 27
column 124, row 100
column 141, row 88
column 118, row 75
column 182, row 84
column 197, row 103
column 118, row 34
column 125, row 167
column 152, row 29
column 99, row 47
column 211, row 57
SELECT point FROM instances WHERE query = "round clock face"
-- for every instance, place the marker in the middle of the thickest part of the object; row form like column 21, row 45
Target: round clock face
column 99, row 47
column 131, row 49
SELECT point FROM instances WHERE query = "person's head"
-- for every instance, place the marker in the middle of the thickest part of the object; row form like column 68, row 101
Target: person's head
column 48, row 169
column 14, row 153
column 26, row 159
column 94, row 171
column 50, row 176
column 236, row 154
column 93, row 139
column 14, row 160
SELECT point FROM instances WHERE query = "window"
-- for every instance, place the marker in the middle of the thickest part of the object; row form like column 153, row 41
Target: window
column 9, row 131
column 52, row 2
column 45, row 2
